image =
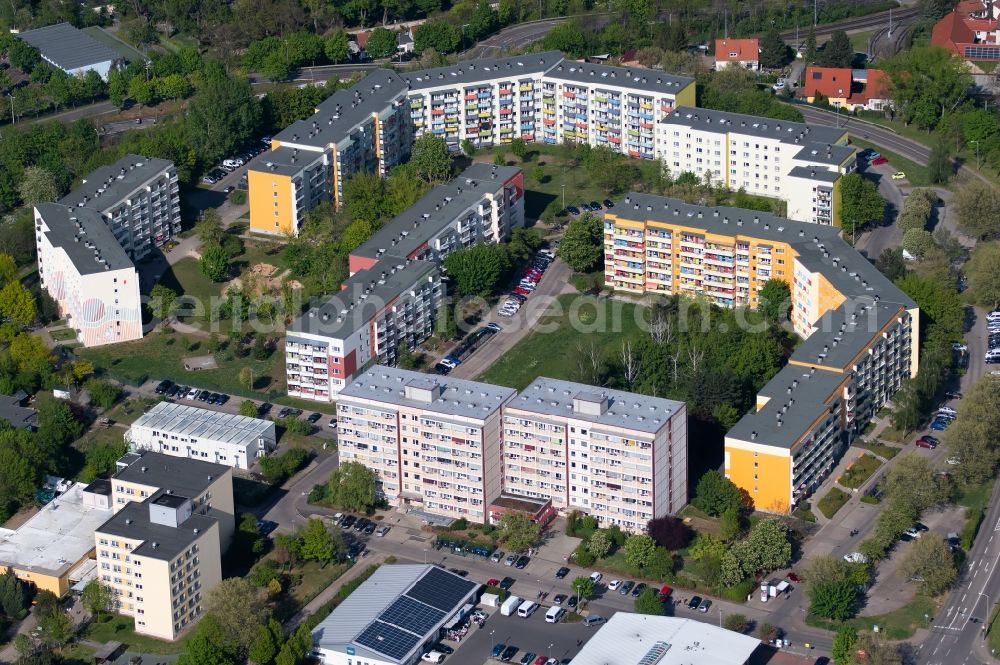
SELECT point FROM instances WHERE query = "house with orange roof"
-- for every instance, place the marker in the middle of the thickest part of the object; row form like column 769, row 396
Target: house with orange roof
column 971, row 31
column 737, row 53
column 846, row 88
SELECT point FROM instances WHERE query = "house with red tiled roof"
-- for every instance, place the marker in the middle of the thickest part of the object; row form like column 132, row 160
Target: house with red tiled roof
column 971, row 31
column 848, row 89
column 737, row 53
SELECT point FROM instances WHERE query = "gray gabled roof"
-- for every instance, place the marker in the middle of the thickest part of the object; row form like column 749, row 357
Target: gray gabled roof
column 67, row 47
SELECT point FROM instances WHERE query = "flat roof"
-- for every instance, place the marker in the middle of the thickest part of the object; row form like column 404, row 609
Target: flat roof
column 394, row 612
column 68, row 47
column 216, row 426
column 284, row 161
column 107, row 186
column 455, row 397
column 338, row 115
column 833, row 154
column 362, row 297
column 527, row 504
column 638, row 78
column 554, row 397
column 842, row 333
column 183, row 475
column 786, row 131
column 482, row 69
column 435, row 210
column 159, row 540
column 641, row 639
column 100, row 486
column 813, row 173
column 85, row 237
column 55, row 538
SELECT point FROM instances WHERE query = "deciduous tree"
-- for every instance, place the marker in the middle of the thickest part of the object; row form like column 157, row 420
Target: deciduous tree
column 775, row 300
column 352, row 486
column 861, row 204
column 430, row 158
column 17, row 305
column 96, row 598
column 477, row 270
column 983, row 273
column 38, row 185
column 318, row 543
column 649, row 602
column 930, row 562
column 833, row 600
column 715, row 494
column 926, row 83
column 638, row 550
column 977, row 206
column 670, row 532
column 518, row 532
column 381, row 43
column 582, row 245
column 838, row 52
column 844, row 645
column 583, row 587
column 238, row 608
column 599, row 544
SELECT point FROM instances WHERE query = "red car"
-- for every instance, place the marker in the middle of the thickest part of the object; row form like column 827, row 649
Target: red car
column 522, row 292
column 492, row 582
column 879, row 160
column 793, row 577
column 532, row 273
column 924, row 443
column 665, row 592
column 541, row 660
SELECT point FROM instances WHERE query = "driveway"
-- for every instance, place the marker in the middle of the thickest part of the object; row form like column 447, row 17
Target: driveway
column 886, row 235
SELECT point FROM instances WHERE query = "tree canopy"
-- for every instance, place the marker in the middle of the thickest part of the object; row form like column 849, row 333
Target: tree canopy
column 582, row 246
column 926, row 82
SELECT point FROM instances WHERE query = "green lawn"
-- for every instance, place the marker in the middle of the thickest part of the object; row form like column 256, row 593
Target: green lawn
column 122, row 629
column 859, row 471
column 64, row 335
column 859, row 40
column 896, row 625
column 916, row 174
column 555, row 346
column 877, row 447
column 832, row 502
column 160, row 356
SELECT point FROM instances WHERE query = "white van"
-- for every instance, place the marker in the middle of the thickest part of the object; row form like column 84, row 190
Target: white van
column 554, row 614
column 527, row 608
column 510, row 605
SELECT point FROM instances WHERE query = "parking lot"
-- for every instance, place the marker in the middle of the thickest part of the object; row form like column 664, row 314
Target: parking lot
column 531, row 635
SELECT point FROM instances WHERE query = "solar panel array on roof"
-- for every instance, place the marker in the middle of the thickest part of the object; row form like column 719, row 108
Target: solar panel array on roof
column 388, row 640
column 412, row 616
column 440, row 589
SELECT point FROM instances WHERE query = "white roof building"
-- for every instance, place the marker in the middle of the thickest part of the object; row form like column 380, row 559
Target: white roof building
column 641, row 639
column 186, row 431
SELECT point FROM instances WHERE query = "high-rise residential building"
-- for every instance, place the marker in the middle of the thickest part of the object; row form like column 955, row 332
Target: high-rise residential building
column 88, row 242
column 860, row 330
column 392, row 296
column 798, row 163
column 433, row 442
column 364, row 129
column 179, row 430
column 619, row 456
column 161, row 552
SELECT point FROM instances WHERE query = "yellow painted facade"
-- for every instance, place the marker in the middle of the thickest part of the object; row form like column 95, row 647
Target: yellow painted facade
column 686, row 97
column 57, row 584
column 271, row 205
column 765, row 474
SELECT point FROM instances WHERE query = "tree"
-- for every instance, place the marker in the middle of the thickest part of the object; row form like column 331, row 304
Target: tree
column 13, row 595
column 38, row 185
column 161, row 300
column 583, row 587
column 8, row 269
column 931, row 563
column 833, row 600
column 222, row 117
column 649, row 602
column 381, row 43
column 468, row 148
column 352, row 486
column 977, row 206
column 844, row 645
column 248, row 408
column 914, row 480
column 926, row 83
column 765, row 548
column 670, row 532
column 209, row 644
column 810, row 48
column 582, row 246
column 861, row 204
column 96, row 598
column 838, row 52
column 715, row 494
column 214, row 262
column 773, row 50
column 17, row 305
column 599, row 544
column 336, row 47
column 238, row 608
column 519, row 148
column 517, row 531
column 266, row 645
column 638, row 549
column 736, row 622
column 430, row 157
column 891, row 264
column 318, row 544
column 57, row 629
column 660, row 564
column 767, row 632
column 477, row 270
column 939, row 162
column 918, row 242
column 102, row 393
column 441, row 36
column 730, row 524
column 775, row 300
column 246, row 377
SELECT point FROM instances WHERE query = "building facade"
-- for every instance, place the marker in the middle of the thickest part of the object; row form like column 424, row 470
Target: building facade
column 186, row 431
column 433, row 442
column 395, row 289
column 849, row 89
column 860, row 330
column 89, row 240
column 618, row 456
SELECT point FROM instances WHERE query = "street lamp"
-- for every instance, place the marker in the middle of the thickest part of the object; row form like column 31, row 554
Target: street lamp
column 720, row 617
column 425, row 556
column 977, row 152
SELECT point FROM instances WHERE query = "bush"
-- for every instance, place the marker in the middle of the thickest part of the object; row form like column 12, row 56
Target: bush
column 102, row 393
column 736, row 622
column 583, row 557
column 461, row 524
column 263, row 572
column 238, row 197
column 276, row 469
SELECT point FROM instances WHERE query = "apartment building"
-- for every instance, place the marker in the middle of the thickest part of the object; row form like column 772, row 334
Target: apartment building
column 159, row 558
column 860, row 331
column 141, row 474
column 395, row 288
column 363, row 129
column 482, row 205
column 179, row 430
column 161, row 551
column 619, row 456
column 792, row 161
column 433, row 442
column 87, row 244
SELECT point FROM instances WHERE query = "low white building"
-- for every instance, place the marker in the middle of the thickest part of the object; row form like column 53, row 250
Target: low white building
column 71, row 50
column 186, row 431
column 394, row 616
column 641, row 639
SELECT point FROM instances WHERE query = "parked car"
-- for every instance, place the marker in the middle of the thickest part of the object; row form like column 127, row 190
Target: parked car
column 953, row 394
column 495, row 327
column 594, row 620
column 496, row 556
column 511, row 560
column 348, row 522
column 314, row 417
column 506, row 583
column 284, row 412
column 562, row 573
column 608, row 203
column 614, row 584
column 528, row 658
column 625, row 588
column 497, row 650
column 705, row 604
column 370, row 527
column 222, row 398
column 879, row 160
column 332, row 424
column 571, row 602
column 596, row 577
column 442, row 369
column 924, row 442
column 940, row 425
column 639, row 588
column 559, row 598
column 264, row 409
column 163, row 386
column 899, row 175
column 573, row 210
column 522, row 561
column 508, row 653
column 694, row 602
column 433, row 657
